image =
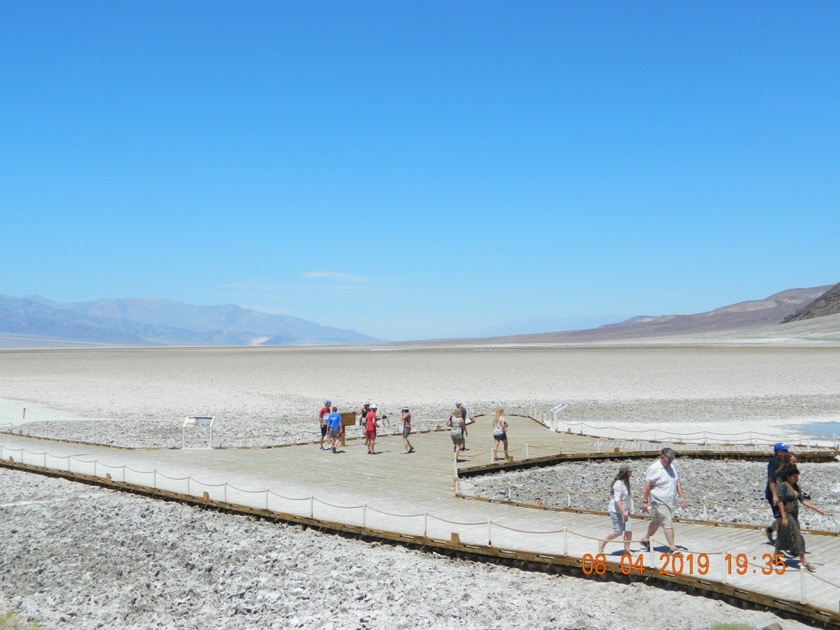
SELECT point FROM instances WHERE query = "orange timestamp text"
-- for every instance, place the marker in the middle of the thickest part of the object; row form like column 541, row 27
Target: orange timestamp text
column 689, row 563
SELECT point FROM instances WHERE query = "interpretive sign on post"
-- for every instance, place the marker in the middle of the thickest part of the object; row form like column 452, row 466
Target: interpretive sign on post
column 198, row 422
column 348, row 419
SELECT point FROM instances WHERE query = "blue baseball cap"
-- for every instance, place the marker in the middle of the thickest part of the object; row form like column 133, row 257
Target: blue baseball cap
column 780, row 446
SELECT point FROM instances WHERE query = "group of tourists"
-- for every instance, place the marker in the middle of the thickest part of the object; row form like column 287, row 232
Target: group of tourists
column 662, row 488
column 331, row 424
column 332, row 428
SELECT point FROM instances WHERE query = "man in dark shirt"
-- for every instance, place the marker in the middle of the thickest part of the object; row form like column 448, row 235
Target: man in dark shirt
column 779, row 450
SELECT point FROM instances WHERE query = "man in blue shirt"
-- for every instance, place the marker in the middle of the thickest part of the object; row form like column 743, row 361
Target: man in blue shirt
column 335, row 428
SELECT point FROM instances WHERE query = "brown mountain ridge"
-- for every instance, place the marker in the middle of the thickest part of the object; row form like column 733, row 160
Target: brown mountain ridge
column 743, row 316
column 826, row 304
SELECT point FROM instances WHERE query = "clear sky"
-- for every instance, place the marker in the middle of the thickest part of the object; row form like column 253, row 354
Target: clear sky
column 420, row 169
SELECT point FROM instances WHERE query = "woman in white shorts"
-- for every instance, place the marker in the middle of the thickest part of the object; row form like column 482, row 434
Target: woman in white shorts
column 620, row 509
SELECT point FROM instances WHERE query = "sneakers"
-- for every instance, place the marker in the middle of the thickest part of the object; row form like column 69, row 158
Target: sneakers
column 645, row 544
column 672, row 551
column 769, row 533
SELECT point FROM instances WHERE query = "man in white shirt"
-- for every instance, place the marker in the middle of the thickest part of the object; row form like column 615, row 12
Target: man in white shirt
column 662, row 486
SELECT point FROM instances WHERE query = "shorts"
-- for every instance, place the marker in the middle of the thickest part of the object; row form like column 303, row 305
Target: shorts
column 457, row 438
column 334, row 434
column 370, row 434
column 662, row 514
column 406, row 431
column 323, row 430
column 620, row 525
column 501, row 437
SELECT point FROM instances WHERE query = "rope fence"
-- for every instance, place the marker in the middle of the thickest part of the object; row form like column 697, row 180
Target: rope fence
column 485, row 533
column 514, row 491
column 753, row 438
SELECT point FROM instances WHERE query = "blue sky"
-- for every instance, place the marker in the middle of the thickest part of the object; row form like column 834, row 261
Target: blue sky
column 420, row 169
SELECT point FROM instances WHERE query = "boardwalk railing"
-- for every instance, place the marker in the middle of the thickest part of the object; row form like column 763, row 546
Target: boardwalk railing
column 713, row 564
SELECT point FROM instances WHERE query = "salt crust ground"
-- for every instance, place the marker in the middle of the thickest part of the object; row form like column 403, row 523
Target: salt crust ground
column 80, row 557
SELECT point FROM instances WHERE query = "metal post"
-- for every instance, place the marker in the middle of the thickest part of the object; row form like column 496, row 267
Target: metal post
column 426, row 524
column 803, row 599
column 489, row 533
column 312, row 507
column 266, row 499
column 225, row 492
column 364, row 515
column 188, row 485
column 565, row 542
column 527, row 456
column 154, row 479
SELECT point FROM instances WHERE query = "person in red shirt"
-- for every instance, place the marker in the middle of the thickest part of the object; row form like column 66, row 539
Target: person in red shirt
column 322, row 421
column 370, row 430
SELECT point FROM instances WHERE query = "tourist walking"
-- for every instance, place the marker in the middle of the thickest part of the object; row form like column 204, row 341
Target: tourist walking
column 322, row 421
column 457, row 431
column 370, row 430
column 662, row 486
column 773, row 466
column 335, row 428
column 363, row 419
column 500, row 427
column 620, row 508
column 790, row 535
column 405, row 415
column 463, row 412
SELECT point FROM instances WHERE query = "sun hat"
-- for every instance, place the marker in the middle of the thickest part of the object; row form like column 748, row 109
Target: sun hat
column 780, row 446
column 624, row 467
column 374, row 407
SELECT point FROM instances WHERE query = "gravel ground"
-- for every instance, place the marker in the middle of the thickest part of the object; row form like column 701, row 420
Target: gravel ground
column 74, row 556
column 742, row 501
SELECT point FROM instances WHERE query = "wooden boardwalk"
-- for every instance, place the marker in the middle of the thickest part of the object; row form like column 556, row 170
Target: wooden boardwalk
column 412, row 499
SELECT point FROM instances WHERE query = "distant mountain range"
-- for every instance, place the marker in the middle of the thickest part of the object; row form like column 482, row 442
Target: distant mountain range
column 543, row 324
column 35, row 321
column 743, row 316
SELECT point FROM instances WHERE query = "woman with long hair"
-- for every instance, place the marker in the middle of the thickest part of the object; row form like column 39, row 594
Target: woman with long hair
column 790, row 536
column 500, row 427
column 620, row 508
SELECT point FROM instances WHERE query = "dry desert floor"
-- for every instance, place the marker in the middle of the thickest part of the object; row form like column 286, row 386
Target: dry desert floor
column 81, row 557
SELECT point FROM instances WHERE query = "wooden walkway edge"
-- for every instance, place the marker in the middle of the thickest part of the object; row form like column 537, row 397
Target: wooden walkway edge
column 411, row 499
